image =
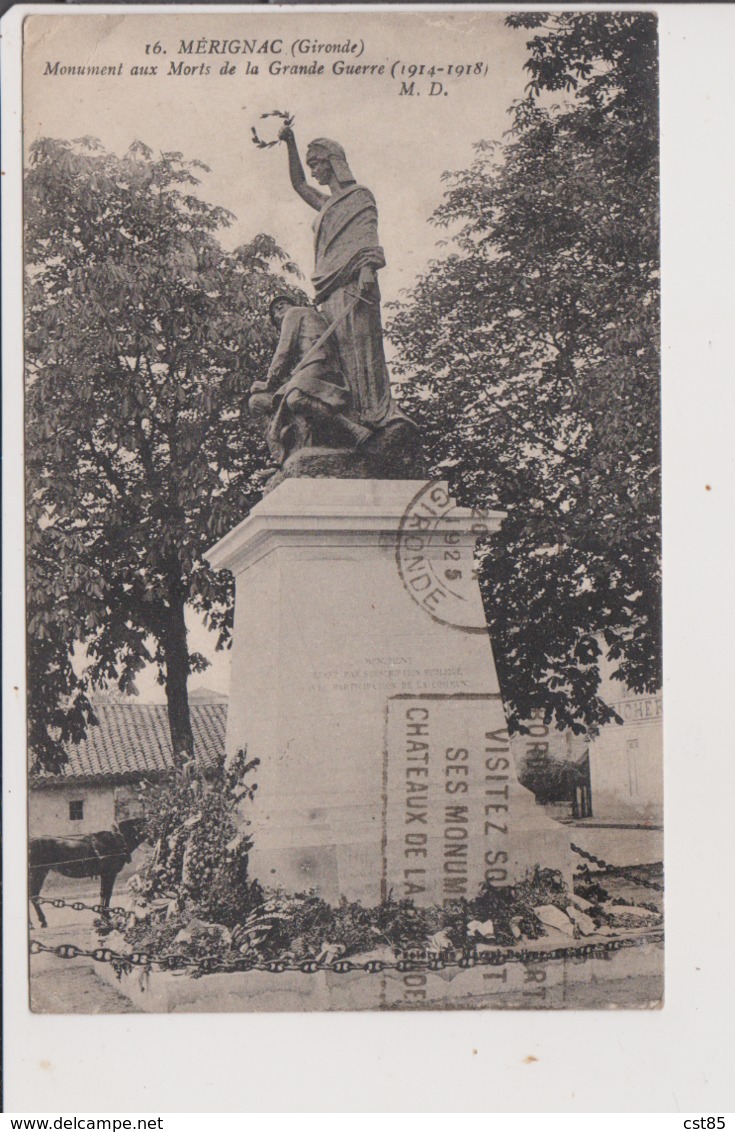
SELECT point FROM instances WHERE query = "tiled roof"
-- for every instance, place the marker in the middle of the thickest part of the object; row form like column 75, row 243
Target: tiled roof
column 133, row 741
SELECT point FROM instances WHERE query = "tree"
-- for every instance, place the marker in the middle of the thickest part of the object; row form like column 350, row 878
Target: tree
column 142, row 339
column 530, row 353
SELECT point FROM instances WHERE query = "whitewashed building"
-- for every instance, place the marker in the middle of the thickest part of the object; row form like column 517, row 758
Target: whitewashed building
column 624, row 764
column 101, row 780
column 626, row 760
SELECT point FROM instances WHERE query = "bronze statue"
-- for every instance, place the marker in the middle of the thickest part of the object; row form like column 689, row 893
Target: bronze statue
column 304, row 401
column 326, row 405
column 347, row 255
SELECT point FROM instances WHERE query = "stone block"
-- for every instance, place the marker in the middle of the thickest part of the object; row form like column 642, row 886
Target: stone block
column 583, row 922
column 363, row 680
column 554, row 917
column 553, row 983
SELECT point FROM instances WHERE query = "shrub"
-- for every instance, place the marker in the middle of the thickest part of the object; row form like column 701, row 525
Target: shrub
column 200, row 856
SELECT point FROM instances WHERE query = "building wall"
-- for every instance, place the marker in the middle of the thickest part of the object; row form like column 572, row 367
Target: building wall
column 626, row 760
column 128, row 803
column 49, row 810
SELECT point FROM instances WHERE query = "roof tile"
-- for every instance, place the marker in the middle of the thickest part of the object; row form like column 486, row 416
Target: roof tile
column 134, row 738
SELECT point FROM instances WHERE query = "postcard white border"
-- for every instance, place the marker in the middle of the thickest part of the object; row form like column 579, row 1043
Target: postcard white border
column 662, row 1061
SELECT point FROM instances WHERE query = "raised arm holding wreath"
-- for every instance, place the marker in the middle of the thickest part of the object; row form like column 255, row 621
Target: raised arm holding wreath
column 347, row 257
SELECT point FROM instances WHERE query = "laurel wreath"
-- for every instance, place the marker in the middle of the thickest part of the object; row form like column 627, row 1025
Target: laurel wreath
column 287, row 121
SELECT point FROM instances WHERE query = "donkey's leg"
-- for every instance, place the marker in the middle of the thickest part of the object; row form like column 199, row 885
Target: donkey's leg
column 107, row 882
column 38, row 876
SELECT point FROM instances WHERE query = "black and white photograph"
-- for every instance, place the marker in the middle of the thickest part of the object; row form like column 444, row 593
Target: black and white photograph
column 343, row 511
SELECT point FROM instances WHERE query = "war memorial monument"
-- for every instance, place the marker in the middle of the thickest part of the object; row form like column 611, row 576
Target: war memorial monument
column 363, row 676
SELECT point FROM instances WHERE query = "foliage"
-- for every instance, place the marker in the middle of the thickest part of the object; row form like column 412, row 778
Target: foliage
column 181, row 934
column 551, row 779
column 59, row 709
column 512, row 906
column 589, row 888
column 303, row 926
column 200, row 858
column 142, row 339
column 307, row 923
column 530, row 355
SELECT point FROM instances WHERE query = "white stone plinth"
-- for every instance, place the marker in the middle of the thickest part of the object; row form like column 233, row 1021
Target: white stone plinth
column 630, row 977
column 363, row 680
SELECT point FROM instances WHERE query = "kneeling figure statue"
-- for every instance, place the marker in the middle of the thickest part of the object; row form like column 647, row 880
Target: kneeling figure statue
column 304, row 401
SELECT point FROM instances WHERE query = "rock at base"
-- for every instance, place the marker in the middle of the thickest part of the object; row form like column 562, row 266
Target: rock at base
column 393, row 452
column 478, row 929
column 553, row 917
column 584, row 922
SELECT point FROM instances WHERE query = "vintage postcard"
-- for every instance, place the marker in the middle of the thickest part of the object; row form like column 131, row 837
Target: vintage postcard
column 342, row 474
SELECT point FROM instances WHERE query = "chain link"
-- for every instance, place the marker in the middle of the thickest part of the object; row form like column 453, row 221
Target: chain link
column 620, row 870
column 210, row 964
column 78, row 906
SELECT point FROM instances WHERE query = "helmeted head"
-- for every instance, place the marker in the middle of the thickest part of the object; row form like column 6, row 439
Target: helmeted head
column 278, row 306
column 326, row 159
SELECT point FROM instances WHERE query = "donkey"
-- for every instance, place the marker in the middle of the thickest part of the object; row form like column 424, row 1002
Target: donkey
column 100, row 854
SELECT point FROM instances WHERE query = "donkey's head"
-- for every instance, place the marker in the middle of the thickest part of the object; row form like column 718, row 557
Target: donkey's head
column 133, row 831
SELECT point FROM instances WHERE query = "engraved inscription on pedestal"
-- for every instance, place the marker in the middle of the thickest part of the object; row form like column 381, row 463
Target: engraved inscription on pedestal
column 391, row 675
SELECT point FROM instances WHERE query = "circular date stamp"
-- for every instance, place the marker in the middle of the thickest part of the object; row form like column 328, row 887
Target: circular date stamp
column 435, row 555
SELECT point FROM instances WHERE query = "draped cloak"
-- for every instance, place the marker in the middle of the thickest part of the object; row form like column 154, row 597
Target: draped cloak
column 345, row 241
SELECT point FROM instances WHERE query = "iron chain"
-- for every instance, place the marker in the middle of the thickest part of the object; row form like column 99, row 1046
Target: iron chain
column 210, row 964
column 621, row 870
column 79, row 906
column 603, row 866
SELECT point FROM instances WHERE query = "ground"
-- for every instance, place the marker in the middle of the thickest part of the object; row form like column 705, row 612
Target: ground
column 60, row 986
column 618, row 845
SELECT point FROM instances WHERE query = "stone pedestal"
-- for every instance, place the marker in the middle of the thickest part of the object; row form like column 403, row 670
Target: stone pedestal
column 363, row 679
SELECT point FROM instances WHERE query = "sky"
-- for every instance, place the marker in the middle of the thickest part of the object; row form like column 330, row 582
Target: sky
column 397, row 144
